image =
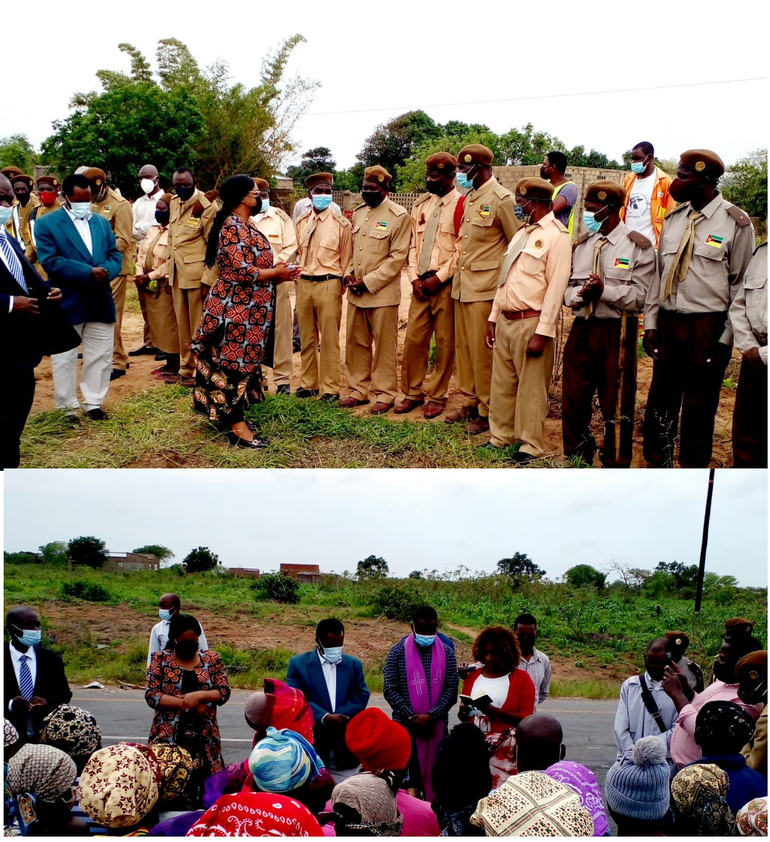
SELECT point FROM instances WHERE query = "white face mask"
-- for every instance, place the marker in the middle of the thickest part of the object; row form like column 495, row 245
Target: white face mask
column 147, row 184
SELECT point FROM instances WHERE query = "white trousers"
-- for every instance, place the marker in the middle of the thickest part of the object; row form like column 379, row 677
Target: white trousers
column 97, row 340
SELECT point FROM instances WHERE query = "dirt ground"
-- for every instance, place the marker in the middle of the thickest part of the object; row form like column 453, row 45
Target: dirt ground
column 140, row 377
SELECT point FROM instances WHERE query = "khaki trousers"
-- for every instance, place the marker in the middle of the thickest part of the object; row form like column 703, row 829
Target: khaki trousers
column 283, row 364
column 188, row 306
column 319, row 313
column 519, row 399
column 367, row 371
column 474, row 359
column 162, row 319
column 146, row 333
column 436, row 315
column 119, row 356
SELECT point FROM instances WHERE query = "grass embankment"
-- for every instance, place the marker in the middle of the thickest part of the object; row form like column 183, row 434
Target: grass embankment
column 594, row 640
column 156, row 428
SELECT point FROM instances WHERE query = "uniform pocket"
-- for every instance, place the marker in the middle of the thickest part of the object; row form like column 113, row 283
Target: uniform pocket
column 709, row 252
column 484, row 265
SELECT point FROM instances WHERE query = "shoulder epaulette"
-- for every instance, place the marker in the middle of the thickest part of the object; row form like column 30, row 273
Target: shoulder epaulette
column 397, row 210
column 358, row 207
column 639, row 239
column 423, row 197
column 341, row 219
column 741, row 219
column 560, row 225
column 581, row 240
column 501, row 192
column 283, row 215
column 678, row 209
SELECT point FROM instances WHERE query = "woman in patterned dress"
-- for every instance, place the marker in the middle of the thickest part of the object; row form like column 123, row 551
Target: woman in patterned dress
column 235, row 337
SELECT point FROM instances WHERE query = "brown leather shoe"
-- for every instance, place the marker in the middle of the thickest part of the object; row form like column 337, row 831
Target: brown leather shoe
column 464, row 413
column 478, row 425
column 350, row 401
column 380, row 408
column 407, row 405
column 433, row 409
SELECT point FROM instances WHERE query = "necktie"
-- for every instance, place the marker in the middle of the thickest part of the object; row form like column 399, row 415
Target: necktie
column 429, row 240
column 680, row 266
column 11, row 258
column 26, row 687
column 308, row 231
column 516, row 249
column 596, row 269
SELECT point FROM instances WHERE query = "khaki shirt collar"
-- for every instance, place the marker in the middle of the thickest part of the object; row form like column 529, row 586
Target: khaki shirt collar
column 445, row 200
column 547, row 220
column 487, row 185
column 323, row 216
column 619, row 231
column 712, row 206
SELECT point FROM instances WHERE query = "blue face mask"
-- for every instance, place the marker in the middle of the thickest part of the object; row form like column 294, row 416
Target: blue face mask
column 80, row 210
column 332, row 654
column 591, row 223
column 463, row 180
column 521, row 214
column 265, row 205
column 638, row 167
column 5, row 215
column 31, row 637
column 424, row 640
column 322, row 201
column 165, row 614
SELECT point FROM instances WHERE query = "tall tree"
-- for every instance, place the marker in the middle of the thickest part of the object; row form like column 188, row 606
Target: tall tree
column 519, row 569
column 17, row 151
column 318, row 159
column 200, row 559
column 745, row 184
column 87, row 550
column 158, row 550
column 372, row 567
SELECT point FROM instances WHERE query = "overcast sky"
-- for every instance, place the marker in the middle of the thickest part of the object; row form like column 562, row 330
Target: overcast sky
column 413, row 519
column 500, row 63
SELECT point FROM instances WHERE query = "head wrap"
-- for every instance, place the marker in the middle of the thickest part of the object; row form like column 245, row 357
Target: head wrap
column 639, row 790
column 176, row 767
column 283, row 761
column 10, row 734
column 43, row 771
column 280, row 706
column 118, row 786
column 377, row 741
column 256, row 814
column 73, row 730
column 533, row 804
column 699, row 796
column 752, row 818
column 373, row 799
column 583, row 782
column 724, row 724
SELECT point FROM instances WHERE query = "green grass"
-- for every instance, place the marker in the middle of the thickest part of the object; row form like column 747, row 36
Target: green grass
column 585, row 689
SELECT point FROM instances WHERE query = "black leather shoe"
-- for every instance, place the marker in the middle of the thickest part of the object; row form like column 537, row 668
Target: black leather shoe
column 137, row 352
column 307, row 393
column 283, row 389
column 97, row 414
column 521, row 458
column 254, row 444
column 116, row 373
column 161, row 355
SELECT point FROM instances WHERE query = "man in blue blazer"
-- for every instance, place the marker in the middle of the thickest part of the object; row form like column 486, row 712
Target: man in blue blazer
column 336, row 690
column 31, row 326
column 78, row 251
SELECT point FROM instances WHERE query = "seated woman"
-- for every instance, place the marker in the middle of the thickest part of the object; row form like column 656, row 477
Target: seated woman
column 509, row 692
column 256, row 814
column 185, row 687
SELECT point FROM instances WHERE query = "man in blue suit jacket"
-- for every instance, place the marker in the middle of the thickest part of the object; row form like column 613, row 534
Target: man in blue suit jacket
column 78, row 251
column 31, row 326
column 320, row 674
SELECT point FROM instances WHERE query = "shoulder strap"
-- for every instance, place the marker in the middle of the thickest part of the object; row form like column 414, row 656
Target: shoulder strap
column 581, row 239
column 459, row 209
column 649, row 703
column 639, row 239
column 741, row 219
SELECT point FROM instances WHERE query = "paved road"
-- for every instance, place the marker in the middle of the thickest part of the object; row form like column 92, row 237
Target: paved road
column 124, row 715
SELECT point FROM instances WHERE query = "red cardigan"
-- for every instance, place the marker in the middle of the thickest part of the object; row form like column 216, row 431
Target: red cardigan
column 520, row 701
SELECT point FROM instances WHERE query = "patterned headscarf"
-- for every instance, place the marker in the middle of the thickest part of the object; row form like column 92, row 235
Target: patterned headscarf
column 699, row 796
column 256, row 814
column 176, row 767
column 374, row 800
column 283, row 761
column 43, row 771
column 118, row 786
column 752, row 818
column 280, row 706
column 584, row 783
column 533, row 804
column 724, row 724
column 10, row 734
column 73, row 730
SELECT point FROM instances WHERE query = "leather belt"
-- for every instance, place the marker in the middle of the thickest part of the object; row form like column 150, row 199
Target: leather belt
column 515, row 315
column 321, row 277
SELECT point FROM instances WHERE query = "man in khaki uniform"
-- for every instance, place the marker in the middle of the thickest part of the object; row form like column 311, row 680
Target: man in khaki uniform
column 748, row 316
column 48, row 191
column 612, row 269
column 26, row 202
column 117, row 211
column 522, row 323
column 277, row 227
column 325, row 254
column 192, row 215
column 432, row 258
column 13, row 226
column 488, row 225
column 382, row 231
column 705, row 246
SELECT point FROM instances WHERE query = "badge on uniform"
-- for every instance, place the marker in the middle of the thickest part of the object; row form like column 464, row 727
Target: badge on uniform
column 622, row 262
column 106, row 208
column 538, row 244
column 381, row 226
column 484, row 212
column 714, row 240
column 193, row 223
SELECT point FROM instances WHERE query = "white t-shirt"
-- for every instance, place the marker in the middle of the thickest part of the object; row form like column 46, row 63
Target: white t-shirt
column 495, row 688
column 638, row 211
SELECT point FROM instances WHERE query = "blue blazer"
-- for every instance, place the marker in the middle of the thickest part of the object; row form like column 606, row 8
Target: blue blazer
column 64, row 256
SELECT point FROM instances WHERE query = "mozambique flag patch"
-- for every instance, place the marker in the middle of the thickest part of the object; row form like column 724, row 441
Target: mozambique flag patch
column 714, row 240
column 485, row 211
column 381, row 226
column 622, row 262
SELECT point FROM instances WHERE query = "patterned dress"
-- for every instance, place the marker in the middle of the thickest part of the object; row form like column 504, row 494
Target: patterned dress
column 236, row 333
column 165, row 676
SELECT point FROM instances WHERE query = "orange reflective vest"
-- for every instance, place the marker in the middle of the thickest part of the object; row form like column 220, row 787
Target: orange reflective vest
column 660, row 203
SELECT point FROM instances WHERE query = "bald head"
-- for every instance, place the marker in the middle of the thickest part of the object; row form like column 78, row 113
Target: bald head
column 19, row 621
column 148, row 171
column 170, row 602
column 538, row 743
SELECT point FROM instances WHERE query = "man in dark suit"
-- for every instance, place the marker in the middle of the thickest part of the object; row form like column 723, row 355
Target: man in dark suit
column 31, row 325
column 34, row 682
column 79, row 252
column 324, row 673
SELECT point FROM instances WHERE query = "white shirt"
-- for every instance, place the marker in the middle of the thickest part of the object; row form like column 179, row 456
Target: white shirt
column 538, row 668
column 639, row 212
column 159, row 639
column 16, row 661
column 83, row 228
column 144, row 214
column 496, row 688
column 633, row 721
column 330, row 677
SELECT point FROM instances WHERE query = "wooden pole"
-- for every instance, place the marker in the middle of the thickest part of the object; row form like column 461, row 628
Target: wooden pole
column 704, row 541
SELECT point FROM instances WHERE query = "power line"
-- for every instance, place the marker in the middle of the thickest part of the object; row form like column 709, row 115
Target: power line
column 539, row 96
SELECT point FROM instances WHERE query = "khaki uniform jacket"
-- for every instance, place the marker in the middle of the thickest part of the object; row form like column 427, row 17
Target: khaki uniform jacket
column 629, row 265
column 156, row 267
column 444, row 257
column 755, row 751
column 31, row 251
column 381, row 238
column 748, row 312
column 330, row 248
column 117, row 211
column 277, row 227
column 724, row 242
column 24, row 216
column 488, row 225
column 187, row 240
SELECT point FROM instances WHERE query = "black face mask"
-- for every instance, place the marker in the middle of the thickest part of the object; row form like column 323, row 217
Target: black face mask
column 372, row 198
column 656, row 672
column 434, row 187
column 257, row 208
column 543, row 174
column 186, row 649
column 162, row 217
column 185, row 193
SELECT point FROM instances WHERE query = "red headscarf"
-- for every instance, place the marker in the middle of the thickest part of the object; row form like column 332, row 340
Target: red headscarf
column 282, row 707
column 256, row 814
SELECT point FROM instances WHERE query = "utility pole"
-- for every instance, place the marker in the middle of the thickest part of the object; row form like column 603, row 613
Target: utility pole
column 704, row 541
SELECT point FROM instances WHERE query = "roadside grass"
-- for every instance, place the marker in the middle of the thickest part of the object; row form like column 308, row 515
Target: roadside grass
column 574, row 688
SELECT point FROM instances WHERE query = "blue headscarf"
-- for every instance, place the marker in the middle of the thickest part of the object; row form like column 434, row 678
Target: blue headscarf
column 283, row 761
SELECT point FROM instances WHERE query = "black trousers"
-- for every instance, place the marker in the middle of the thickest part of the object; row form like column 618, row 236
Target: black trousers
column 14, row 410
column 684, row 379
column 592, row 365
column 750, row 417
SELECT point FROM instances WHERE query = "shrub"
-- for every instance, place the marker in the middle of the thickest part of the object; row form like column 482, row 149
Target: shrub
column 87, row 591
column 396, row 603
column 278, row 587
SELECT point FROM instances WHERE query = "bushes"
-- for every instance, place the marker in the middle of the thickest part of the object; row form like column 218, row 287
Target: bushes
column 277, row 587
column 396, row 602
column 87, row 591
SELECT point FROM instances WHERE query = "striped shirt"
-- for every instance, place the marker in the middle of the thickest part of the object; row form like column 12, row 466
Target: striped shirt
column 538, row 668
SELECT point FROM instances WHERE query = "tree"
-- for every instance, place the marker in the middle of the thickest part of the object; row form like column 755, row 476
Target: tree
column 745, row 183
column 87, row 550
column 278, row 587
column 578, row 157
column 54, row 552
column 372, row 567
column 684, row 576
column 519, row 569
column 318, row 159
column 416, row 574
column 350, row 179
column 17, row 151
column 163, row 553
column 200, row 560
column 585, row 576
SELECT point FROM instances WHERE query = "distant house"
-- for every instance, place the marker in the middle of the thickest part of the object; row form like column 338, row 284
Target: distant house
column 132, row 561
column 308, row 573
column 244, row 572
